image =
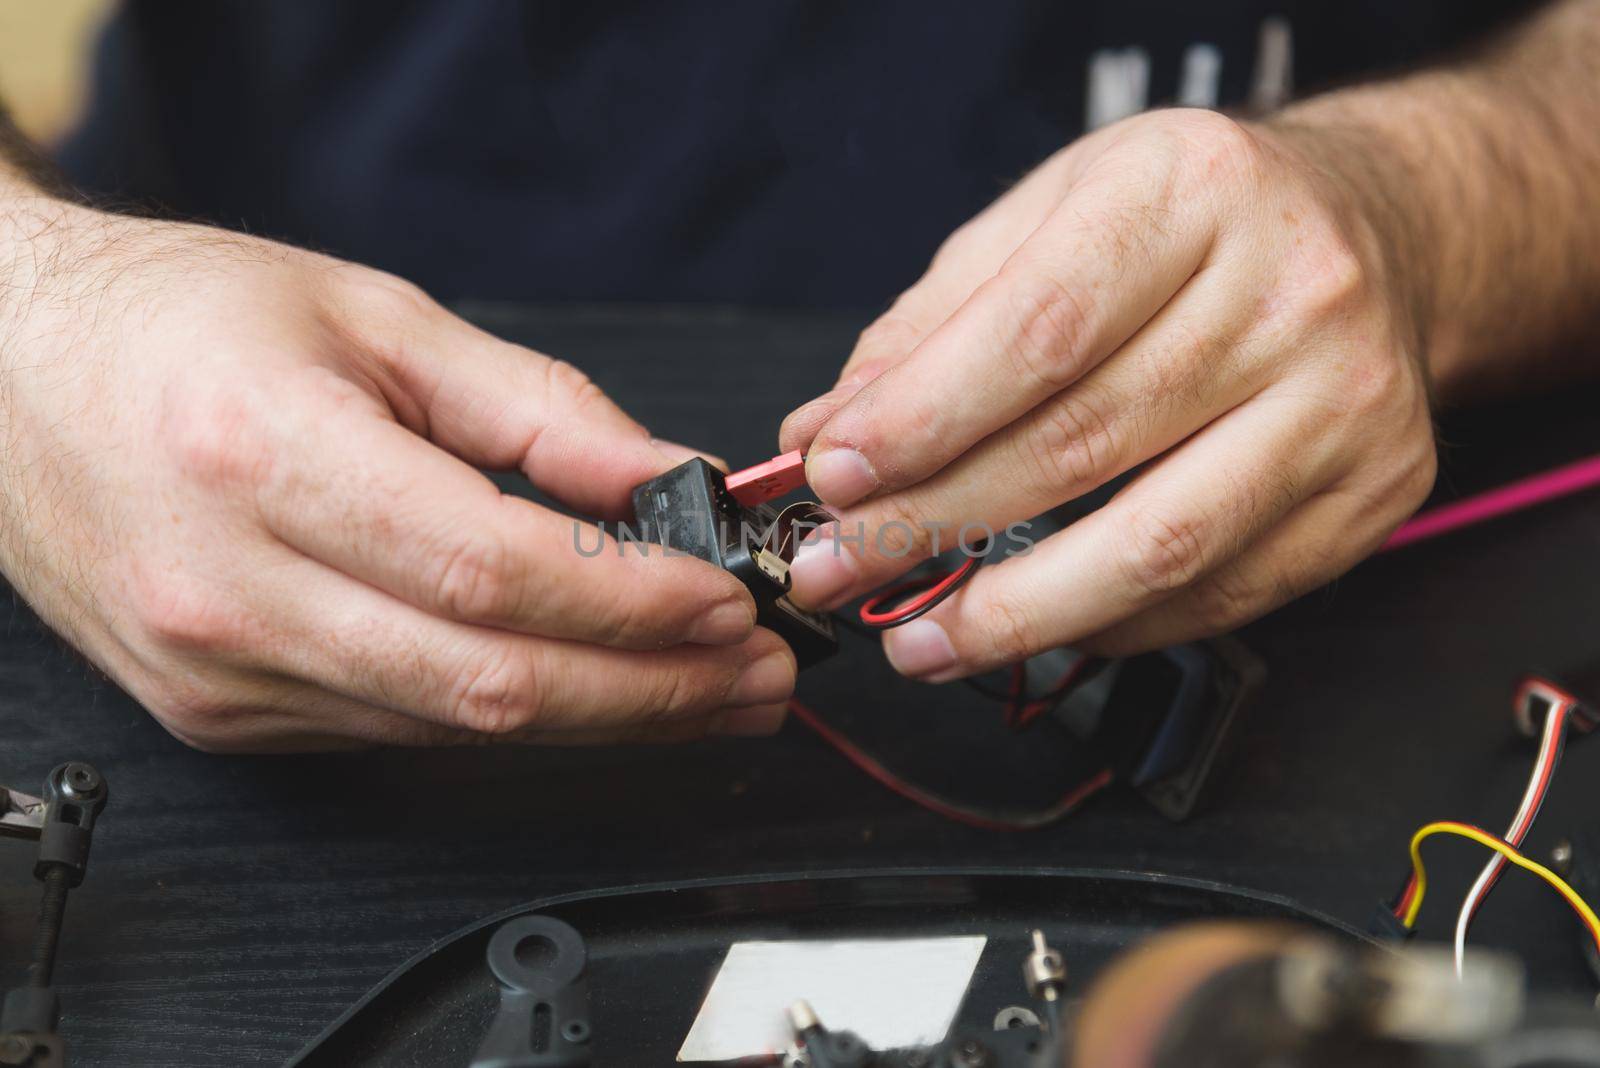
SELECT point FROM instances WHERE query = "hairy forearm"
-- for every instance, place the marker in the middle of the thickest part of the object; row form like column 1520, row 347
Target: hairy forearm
column 1482, row 178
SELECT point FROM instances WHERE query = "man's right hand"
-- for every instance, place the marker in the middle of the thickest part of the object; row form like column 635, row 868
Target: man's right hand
column 240, row 477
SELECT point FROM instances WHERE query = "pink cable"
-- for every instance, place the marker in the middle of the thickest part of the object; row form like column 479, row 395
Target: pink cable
column 1526, row 493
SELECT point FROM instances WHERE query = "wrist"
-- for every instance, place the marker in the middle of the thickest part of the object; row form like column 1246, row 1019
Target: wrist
column 35, row 233
column 1380, row 197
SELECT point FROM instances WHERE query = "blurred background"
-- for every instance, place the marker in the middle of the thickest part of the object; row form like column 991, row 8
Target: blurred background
column 44, row 61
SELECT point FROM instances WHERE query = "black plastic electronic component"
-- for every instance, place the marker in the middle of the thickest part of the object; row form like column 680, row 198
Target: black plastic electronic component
column 1385, row 926
column 689, row 510
column 1164, row 718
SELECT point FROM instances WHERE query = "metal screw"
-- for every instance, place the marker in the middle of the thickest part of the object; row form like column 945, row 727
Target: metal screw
column 1561, row 857
column 1043, row 971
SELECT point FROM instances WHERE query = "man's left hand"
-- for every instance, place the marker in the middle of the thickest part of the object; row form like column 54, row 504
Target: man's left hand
column 1201, row 299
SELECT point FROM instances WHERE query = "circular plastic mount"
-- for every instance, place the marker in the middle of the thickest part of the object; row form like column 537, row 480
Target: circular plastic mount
column 538, row 954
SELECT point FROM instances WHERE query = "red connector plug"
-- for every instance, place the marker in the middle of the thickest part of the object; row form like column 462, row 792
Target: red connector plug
column 770, row 480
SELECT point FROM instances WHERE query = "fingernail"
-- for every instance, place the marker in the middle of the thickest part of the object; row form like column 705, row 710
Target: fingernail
column 920, row 650
column 729, row 623
column 841, row 477
column 757, row 721
column 822, row 572
column 768, row 680
column 679, row 454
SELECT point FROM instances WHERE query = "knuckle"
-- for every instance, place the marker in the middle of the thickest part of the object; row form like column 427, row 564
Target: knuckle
column 1181, row 376
column 1331, row 282
column 472, row 580
column 1164, row 552
column 888, row 333
column 1011, row 631
column 184, row 616
column 1372, row 385
column 1422, row 472
column 498, row 695
column 1049, row 322
column 1228, row 600
column 1404, row 482
column 195, row 713
column 1218, row 148
column 384, row 296
column 1074, row 446
column 954, row 249
column 569, row 387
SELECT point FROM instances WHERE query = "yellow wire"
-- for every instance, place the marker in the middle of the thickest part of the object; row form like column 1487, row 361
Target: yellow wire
column 1466, row 830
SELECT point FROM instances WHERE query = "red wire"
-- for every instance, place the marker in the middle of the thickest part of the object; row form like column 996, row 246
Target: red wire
column 1520, row 831
column 872, row 617
column 933, row 803
column 1036, row 708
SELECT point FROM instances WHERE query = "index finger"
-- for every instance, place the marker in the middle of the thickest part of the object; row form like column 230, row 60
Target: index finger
column 1109, row 256
column 403, row 515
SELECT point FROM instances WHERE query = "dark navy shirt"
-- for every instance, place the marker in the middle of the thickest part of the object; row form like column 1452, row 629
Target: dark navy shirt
column 776, row 152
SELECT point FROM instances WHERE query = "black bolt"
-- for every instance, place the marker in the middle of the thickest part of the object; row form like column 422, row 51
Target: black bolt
column 80, row 780
column 47, row 932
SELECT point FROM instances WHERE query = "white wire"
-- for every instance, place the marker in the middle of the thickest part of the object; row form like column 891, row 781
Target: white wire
column 1520, row 825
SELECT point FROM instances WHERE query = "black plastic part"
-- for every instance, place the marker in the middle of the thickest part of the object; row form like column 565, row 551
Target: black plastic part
column 1581, row 681
column 543, row 1019
column 1385, row 925
column 34, row 1009
column 1584, row 875
column 689, row 510
column 654, row 950
column 1164, row 719
column 74, row 795
column 1022, row 1048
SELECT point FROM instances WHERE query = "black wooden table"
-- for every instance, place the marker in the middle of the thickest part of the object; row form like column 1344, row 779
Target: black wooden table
column 235, row 905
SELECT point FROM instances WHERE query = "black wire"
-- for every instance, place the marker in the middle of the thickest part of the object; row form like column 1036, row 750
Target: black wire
column 976, row 558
